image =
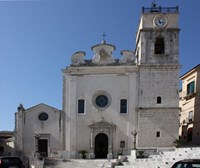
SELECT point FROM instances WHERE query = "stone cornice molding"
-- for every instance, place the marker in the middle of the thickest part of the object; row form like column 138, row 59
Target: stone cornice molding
column 160, row 66
column 154, row 108
column 118, row 70
column 102, row 124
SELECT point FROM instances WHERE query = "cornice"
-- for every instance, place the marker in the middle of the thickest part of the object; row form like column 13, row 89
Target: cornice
column 160, row 66
column 119, row 70
column 154, row 108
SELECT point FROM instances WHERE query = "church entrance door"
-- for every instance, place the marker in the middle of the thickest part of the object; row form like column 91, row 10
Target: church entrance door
column 43, row 147
column 101, row 146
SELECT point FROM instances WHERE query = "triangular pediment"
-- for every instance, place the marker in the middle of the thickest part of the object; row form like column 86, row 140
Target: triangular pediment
column 102, row 123
column 42, row 106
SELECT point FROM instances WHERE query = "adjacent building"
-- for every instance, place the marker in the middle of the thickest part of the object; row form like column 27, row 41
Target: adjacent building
column 6, row 143
column 190, row 106
column 112, row 105
column 38, row 130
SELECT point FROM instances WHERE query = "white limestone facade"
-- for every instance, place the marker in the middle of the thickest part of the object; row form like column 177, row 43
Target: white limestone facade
column 111, row 105
column 87, row 83
column 144, row 82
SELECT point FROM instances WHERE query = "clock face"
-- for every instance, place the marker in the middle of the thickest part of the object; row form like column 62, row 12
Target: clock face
column 160, row 21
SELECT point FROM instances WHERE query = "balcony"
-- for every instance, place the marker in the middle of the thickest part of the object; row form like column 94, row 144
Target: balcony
column 190, row 95
column 187, row 121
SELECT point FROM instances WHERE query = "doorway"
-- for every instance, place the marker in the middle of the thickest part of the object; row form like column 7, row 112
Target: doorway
column 101, row 146
column 189, row 134
column 43, row 147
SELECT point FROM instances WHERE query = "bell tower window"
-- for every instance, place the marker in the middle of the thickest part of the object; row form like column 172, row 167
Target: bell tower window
column 159, row 46
column 158, row 100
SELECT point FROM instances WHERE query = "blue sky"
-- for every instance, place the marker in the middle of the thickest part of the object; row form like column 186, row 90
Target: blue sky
column 38, row 37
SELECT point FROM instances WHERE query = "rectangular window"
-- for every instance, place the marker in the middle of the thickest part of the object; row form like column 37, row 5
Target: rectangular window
column 158, row 134
column 81, row 106
column 123, row 106
column 190, row 116
column 190, row 88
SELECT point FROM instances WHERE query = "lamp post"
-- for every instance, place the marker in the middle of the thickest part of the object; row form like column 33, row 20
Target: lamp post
column 134, row 133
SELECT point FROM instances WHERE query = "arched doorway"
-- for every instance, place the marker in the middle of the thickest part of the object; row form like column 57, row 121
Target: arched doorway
column 189, row 134
column 101, row 146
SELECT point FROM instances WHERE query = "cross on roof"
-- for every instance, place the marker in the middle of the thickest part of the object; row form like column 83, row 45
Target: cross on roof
column 103, row 35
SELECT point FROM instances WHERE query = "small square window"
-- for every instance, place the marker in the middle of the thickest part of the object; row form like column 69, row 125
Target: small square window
column 123, row 106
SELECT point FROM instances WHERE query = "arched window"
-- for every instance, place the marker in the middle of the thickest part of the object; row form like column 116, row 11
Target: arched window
column 158, row 100
column 159, row 46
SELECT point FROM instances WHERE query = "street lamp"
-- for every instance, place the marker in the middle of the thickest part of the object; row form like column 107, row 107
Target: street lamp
column 134, row 133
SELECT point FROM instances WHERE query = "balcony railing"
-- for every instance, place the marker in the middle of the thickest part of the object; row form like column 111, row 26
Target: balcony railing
column 190, row 95
column 155, row 9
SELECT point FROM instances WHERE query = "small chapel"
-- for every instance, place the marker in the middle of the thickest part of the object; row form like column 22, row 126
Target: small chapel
column 110, row 105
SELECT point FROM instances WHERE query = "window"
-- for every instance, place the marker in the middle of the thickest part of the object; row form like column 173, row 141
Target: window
column 81, row 106
column 159, row 46
column 190, row 116
column 158, row 100
column 190, row 88
column 101, row 101
column 123, row 106
column 43, row 116
column 158, row 134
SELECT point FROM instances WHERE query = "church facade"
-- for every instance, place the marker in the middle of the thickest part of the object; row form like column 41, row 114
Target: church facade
column 112, row 106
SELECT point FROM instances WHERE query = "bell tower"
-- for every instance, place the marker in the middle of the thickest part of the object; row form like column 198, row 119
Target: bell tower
column 157, row 56
column 157, row 38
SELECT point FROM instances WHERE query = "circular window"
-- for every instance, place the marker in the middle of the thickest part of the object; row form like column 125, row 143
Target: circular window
column 43, row 116
column 101, row 101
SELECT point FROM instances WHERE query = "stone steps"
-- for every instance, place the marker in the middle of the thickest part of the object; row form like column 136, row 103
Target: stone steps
column 165, row 159
column 76, row 163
